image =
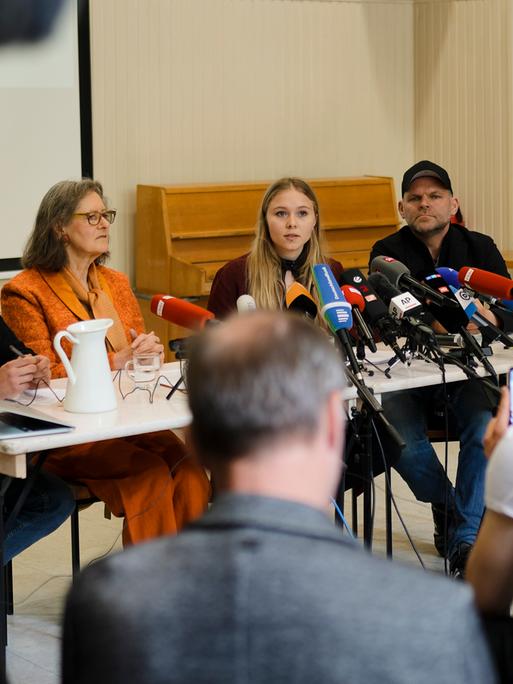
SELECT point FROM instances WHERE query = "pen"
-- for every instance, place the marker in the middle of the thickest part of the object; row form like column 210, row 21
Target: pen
column 175, row 387
column 16, row 351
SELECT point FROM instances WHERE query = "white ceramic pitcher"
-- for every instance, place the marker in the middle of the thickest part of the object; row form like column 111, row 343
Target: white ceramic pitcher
column 90, row 388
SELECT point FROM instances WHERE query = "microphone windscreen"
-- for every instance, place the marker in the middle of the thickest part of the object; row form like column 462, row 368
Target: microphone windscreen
column 383, row 287
column 452, row 319
column 297, row 298
column 246, row 303
column 180, row 312
column 353, row 296
column 374, row 307
column 450, row 275
column 486, row 282
column 507, row 303
column 390, row 268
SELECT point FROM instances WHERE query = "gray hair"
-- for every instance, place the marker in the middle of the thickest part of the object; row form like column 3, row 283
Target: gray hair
column 45, row 248
column 257, row 378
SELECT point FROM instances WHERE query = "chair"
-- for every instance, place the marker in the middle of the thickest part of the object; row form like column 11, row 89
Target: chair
column 83, row 499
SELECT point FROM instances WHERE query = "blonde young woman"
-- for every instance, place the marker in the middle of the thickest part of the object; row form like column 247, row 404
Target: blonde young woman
column 286, row 246
column 149, row 479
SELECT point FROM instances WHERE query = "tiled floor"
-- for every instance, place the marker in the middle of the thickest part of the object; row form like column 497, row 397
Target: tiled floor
column 42, row 576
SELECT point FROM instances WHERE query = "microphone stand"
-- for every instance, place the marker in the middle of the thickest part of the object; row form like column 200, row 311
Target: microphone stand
column 362, row 420
column 473, row 348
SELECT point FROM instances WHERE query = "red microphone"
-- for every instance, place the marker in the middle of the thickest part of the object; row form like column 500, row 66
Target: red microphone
column 353, row 296
column 180, row 312
column 357, row 301
column 486, row 282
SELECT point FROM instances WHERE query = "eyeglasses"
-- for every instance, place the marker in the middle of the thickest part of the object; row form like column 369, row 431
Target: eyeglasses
column 94, row 217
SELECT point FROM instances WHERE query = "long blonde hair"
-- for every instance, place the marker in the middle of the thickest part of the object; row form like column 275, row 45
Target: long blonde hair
column 264, row 272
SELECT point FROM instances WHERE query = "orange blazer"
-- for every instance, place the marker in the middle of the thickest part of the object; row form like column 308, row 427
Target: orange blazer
column 37, row 305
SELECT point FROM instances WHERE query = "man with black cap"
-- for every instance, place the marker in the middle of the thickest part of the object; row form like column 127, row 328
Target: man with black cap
column 428, row 240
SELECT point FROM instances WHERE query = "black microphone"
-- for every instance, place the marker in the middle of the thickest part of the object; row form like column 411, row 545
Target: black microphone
column 399, row 275
column 452, row 319
column 456, row 321
column 375, row 312
column 406, row 309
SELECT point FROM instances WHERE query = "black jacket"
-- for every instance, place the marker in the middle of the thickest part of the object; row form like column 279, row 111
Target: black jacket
column 460, row 247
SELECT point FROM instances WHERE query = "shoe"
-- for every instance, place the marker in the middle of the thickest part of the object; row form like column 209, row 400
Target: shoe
column 458, row 560
column 439, row 539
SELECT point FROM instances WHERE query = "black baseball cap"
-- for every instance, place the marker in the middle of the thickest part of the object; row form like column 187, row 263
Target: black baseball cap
column 422, row 169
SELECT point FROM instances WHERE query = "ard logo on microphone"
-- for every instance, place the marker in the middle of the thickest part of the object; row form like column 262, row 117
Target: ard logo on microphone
column 342, row 315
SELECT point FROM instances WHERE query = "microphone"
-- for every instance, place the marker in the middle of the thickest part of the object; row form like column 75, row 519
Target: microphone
column 180, row 312
column 456, row 321
column 375, row 312
column 468, row 303
column 399, row 275
column 355, row 298
column 337, row 312
column 405, row 308
column 452, row 320
column 400, row 304
column 452, row 277
column 297, row 298
column 246, row 303
column 486, row 282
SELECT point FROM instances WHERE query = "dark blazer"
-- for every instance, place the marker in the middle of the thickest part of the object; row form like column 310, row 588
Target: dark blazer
column 460, row 247
column 267, row 591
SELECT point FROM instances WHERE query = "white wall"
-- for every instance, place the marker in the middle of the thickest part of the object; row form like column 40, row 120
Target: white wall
column 219, row 90
column 463, row 109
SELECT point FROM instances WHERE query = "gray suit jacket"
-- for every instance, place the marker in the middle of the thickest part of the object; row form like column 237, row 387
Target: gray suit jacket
column 267, row 591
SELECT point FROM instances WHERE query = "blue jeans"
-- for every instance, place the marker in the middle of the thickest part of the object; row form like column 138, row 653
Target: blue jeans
column 48, row 504
column 470, row 406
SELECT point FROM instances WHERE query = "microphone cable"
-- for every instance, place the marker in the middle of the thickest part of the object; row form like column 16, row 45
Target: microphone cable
column 392, row 497
column 341, row 516
column 446, row 461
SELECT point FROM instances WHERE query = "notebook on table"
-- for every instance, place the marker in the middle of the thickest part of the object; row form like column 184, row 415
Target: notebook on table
column 24, row 421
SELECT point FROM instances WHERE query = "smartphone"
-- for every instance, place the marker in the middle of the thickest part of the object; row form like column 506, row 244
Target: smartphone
column 510, row 386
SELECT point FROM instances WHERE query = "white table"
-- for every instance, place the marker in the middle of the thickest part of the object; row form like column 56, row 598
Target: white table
column 134, row 415
column 421, row 373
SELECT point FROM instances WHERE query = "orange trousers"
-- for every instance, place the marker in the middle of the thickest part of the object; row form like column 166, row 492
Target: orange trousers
column 149, row 479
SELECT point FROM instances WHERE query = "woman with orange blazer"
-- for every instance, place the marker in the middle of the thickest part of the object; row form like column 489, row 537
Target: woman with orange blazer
column 149, row 479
